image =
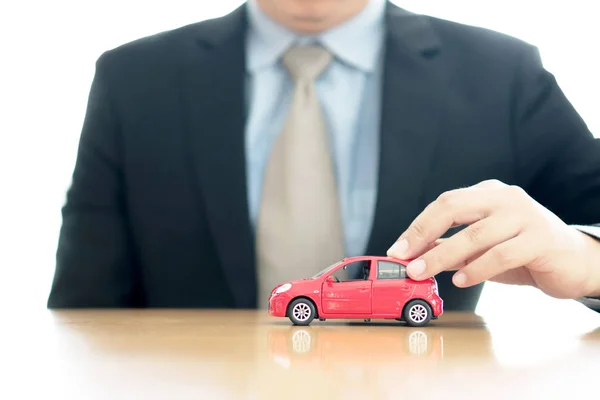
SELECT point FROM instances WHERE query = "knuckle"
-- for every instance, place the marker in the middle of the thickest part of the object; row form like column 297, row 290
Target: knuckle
column 474, row 233
column 446, row 199
column 501, row 256
column 516, row 192
column 418, row 231
column 495, row 182
column 435, row 262
column 490, row 184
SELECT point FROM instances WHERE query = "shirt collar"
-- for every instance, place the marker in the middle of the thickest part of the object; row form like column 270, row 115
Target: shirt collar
column 356, row 42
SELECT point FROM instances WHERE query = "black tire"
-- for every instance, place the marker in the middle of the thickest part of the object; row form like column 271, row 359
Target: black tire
column 417, row 313
column 301, row 312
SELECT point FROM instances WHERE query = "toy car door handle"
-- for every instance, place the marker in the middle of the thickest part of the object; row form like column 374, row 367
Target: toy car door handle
column 364, row 289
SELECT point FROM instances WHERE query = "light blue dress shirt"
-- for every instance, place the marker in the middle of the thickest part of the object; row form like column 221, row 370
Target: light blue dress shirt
column 350, row 95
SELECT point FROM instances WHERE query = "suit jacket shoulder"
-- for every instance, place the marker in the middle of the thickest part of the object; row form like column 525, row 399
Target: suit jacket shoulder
column 476, row 54
column 479, row 40
column 167, row 48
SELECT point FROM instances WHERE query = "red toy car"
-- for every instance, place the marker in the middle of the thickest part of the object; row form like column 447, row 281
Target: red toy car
column 361, row 287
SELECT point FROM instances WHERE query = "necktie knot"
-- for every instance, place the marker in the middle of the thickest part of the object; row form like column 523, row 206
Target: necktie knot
column 306, row 62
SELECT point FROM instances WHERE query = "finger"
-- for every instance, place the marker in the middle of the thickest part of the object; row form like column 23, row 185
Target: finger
column 515, row 276
column 457, row 207
column 455, row 267
column 469, row 243
column 513, row 253
column 429, row 247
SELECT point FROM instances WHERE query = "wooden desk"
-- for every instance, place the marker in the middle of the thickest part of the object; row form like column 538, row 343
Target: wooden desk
column 249, row 355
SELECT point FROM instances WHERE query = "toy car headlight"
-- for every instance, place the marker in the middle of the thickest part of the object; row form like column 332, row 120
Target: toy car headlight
column 283, row 288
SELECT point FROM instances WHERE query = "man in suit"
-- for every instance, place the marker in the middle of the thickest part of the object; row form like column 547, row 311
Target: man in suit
column 222, row 157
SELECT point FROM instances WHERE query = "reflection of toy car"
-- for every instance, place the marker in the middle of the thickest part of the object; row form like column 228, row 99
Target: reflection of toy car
column 334, row 345
column 361, row 287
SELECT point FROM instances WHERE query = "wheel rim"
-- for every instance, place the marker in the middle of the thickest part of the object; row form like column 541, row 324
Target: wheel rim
column 418, row 313
column 417, row 342
column 301, row 341
column 301, row 311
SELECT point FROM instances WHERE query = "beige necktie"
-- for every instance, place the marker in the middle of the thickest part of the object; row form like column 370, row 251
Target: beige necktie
column 299, row 230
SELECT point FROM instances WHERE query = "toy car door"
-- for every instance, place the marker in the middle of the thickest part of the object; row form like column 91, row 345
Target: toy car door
column 391, row 288
column 350, row 290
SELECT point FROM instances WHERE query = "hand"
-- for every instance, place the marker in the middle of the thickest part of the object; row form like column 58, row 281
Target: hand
column 510, row 238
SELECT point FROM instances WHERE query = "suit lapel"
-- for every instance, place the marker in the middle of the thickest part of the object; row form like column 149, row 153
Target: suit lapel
column 212, row 83
column 413, row 83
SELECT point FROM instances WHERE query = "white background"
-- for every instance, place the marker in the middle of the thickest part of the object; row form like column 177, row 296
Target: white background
column 47, row 55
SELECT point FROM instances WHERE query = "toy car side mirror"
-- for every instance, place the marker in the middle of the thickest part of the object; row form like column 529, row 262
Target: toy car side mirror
column 331, row 279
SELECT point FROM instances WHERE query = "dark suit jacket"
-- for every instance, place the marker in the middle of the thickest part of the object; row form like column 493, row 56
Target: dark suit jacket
column 157, row 212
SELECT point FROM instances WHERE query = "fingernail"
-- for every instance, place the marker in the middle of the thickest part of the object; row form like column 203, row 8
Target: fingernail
column 398, row 249
column 416, row 268
column 459, row 279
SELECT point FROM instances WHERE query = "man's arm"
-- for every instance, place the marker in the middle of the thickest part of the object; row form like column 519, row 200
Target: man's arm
column 94, row 263
column 511, row 237
column 559, row 159
column 593, row 231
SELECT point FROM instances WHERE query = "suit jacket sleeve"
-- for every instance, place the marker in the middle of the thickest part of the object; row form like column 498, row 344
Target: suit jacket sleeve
column 94, row 266
column 558, row 158
column 593, row 231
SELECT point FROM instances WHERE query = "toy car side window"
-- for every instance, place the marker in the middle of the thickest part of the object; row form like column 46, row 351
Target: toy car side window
column 390, row 270
column 355, row 271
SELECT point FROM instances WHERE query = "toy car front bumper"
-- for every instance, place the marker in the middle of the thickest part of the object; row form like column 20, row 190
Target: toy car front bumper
column 278, row 304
